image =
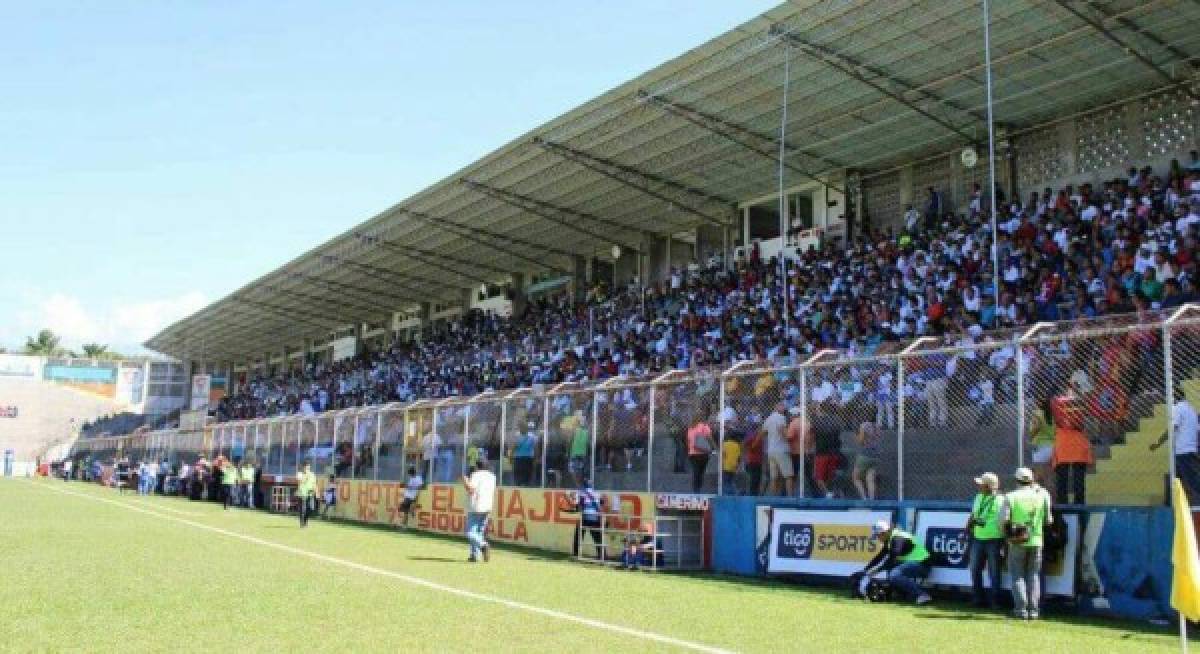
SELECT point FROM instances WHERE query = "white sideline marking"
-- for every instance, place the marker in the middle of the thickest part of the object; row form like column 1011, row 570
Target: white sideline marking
column 416, row 581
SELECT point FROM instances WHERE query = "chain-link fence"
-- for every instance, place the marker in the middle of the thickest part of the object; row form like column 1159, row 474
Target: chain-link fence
column 1101, row 410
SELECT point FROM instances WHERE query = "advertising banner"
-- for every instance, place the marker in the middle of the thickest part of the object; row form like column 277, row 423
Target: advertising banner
column 944, row 537
column 835, row 543
column 200, row 389
column 525, row 516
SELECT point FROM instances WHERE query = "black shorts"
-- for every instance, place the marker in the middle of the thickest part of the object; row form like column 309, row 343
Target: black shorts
column 406, row 504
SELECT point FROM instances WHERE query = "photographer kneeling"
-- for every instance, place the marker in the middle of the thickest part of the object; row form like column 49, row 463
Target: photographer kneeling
column 903, row 557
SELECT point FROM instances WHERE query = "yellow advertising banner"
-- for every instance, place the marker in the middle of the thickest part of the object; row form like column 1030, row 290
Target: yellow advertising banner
column 534, row 517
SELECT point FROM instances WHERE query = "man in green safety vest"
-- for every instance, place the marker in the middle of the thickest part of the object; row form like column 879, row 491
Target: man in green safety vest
column 1025, row 514
column 229, row 478
column 905, row 559
column 986, row 536
column 306, row 492
column 246, row 483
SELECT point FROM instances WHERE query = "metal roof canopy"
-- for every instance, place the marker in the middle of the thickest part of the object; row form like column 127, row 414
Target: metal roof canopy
column 874, row 84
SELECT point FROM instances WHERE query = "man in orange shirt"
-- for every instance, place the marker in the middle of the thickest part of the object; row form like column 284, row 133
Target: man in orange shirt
column 1072, row 450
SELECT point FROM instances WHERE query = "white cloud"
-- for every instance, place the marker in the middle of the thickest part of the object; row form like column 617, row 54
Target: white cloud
column 122, row 324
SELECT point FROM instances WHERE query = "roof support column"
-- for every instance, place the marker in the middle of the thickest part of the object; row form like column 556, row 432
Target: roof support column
column 518, row 294
column 579, row 277
column 658, row 259
column 465, row 295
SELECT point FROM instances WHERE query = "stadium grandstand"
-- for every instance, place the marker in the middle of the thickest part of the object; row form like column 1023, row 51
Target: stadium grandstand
column 800, row 211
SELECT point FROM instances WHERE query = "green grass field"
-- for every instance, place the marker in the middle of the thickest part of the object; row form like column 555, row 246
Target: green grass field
column 85, row 569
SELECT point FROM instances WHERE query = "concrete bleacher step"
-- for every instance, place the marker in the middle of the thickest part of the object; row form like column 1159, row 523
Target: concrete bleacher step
column 1131, row 474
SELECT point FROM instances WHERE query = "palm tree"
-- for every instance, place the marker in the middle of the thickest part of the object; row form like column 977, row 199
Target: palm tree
column 95, row 351
column 47, row 343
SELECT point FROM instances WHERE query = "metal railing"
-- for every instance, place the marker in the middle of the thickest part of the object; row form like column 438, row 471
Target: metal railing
column 1080, row 402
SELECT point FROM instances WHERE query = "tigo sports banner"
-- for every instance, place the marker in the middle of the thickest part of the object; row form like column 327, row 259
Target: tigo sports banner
column 525, row 516
column 836, row 543
column 947, row 542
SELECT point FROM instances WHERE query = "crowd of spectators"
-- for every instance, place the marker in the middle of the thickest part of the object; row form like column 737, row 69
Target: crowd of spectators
column 1120, row 246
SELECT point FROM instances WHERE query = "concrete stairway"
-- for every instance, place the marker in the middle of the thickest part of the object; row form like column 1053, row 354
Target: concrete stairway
column 1131, row 474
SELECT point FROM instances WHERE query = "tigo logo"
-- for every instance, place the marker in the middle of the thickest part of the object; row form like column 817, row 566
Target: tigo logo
column 948, row 546
column 795, row 541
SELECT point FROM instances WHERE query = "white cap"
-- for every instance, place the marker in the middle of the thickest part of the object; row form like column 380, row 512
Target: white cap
column 1024, row 475
column 988, row 479
column 880, row 527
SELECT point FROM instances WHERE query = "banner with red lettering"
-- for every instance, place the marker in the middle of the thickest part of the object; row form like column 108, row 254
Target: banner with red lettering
column 525, row 516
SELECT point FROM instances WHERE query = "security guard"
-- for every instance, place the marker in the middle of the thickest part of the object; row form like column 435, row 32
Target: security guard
column 246, row 483
column 904, row 557
column 987, row 538
column 1025, row 514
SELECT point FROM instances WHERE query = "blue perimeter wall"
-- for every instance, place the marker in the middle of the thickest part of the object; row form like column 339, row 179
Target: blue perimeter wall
column 1132, row 557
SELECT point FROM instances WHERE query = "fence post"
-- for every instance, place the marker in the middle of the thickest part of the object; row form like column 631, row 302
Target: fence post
column 720, row 433
column 353, row 447
column 594, row 435
column 500, row 456
column 900, row 402
column 375, row 446
column 1020, row 406
column 433, row 459
column 801, row 478
column 545, row 434
column 466, row 434
column 650, row 438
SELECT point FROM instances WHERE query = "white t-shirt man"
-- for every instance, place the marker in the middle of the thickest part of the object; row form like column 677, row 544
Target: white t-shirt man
column 1186, row 424
column 481, row 486
column 776, row 427
column 412, row 488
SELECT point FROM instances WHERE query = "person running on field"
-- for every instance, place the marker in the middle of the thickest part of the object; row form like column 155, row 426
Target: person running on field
column 306, row 492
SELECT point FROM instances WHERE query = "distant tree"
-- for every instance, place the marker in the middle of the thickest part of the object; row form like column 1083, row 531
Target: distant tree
column 46, row 343
column 95, row 351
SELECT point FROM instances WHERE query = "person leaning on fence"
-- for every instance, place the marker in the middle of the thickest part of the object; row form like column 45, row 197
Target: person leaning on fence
column 700, row 449
column 866, row 461
column 752, row 454
column 986, row 540
column 306, row 492
column 799, row 441
column 1185, row 425
column 780, row 474
column 1025, row 513
column 1072, row 450
column 903, row 557
column 731, row 458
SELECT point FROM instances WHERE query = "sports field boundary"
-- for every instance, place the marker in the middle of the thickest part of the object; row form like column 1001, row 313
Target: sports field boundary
column 408, row 579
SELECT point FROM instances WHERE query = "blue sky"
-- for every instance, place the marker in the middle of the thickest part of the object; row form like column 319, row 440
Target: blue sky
column 155, row 156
